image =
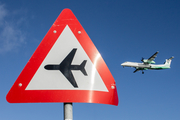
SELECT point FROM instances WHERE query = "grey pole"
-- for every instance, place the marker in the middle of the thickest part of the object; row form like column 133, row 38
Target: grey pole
column 68, row 111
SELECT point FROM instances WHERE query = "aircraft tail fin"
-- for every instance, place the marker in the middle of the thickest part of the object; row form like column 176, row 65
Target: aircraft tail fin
column 168, row 61
column 82, row 67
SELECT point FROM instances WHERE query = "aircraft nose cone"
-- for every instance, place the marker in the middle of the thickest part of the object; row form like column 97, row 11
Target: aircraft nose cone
column 51, row 67
column 122, row 64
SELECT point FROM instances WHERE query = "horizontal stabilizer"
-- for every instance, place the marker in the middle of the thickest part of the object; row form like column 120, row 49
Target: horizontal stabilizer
column 171, row 58
column 82, row 67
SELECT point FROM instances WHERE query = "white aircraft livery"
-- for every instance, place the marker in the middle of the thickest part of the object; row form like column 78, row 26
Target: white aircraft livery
column 148, row 64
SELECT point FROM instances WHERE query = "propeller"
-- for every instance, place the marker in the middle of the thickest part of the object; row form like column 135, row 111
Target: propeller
column 142, row 59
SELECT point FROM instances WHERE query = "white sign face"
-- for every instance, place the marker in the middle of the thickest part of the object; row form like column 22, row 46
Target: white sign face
column 55, row 80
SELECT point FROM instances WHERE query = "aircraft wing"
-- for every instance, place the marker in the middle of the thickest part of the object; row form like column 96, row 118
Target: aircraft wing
column 65, row 67
column 68, row 74
column 152, row 57
column 136, row 70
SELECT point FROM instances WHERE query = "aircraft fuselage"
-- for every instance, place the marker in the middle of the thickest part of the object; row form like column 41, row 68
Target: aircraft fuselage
column 144, row 66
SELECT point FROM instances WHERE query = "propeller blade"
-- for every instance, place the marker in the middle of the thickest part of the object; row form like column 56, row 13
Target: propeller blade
column 142, row 59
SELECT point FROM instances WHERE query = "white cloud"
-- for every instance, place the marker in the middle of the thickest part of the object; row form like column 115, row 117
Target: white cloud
column 11, row 36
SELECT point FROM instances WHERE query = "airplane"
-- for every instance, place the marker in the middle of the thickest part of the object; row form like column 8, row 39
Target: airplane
column 65, row 67
column 148, row 64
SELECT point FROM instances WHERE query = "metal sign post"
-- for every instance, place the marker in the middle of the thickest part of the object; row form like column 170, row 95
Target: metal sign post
column 68, row 111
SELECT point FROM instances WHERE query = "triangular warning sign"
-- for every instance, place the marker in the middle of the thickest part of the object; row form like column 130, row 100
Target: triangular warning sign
column 66, row 67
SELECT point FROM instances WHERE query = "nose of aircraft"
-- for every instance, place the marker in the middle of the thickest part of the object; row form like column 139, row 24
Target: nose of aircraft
column 123, row 64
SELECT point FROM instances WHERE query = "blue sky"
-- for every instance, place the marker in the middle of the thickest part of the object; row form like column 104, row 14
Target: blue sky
column 122, row 30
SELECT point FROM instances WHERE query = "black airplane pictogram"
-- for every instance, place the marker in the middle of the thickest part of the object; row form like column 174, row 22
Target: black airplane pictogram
column 65, row 67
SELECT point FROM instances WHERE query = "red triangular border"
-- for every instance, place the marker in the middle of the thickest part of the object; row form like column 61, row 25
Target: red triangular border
column 18, row 94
